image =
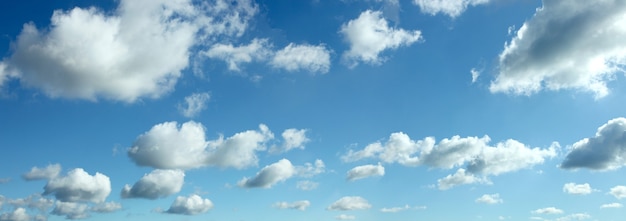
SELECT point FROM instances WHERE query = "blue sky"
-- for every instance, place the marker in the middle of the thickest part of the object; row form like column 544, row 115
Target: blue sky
column 312, row 110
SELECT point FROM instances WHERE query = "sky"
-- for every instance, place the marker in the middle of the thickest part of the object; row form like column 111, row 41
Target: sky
column 312, row 110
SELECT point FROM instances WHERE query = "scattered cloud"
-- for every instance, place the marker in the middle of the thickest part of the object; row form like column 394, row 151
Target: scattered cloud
column 475, row 74
column 350, row 203
column 170, row 146
column 315, row 59
column 565, row 45
column 293, row 139
column 234, row 56
column 395, row 209
column 270, row 175
column 345, row 217
column 194, row 104
column 618, row 192
column 49, row 172
column 71, row 210
column 139, row 51
column 611, row 205
column 547, row 210
column 19, row 214
column 452, row 8
column 460, row 178
column 310, row 170
column 365, row 171
column 107, row 207
column 577, row 189
column 79, row 186
column 156, row 184
column 604, row 151
column 307, row 185
column 490, row 199
column 298, row 205
column 191, row 205
column 369, row 35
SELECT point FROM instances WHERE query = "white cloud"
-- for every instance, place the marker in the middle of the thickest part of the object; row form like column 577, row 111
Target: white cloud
column 107, row 207
column 452, row 8
column 605, row 151
column 475, row 74
column 395, row 209
column 168, row 146
column 369, row 35
column 399, row 148
column 350, row 203
column 34, row 201
column 298, row 205
column 270, row 175
column 489, row 199
column 611, row 205
column 577, row 189
column 365, row 171
column 459, row 178
column 78, row 185
column 293, row 138
column 71, row 210
column 194, row 104
column 234, row 56
column 547, row 210
column 302, row 57
column 49, row 172
column 310, row 170
column 575, row 216
column 137, row 50
column 565, row 45
column 156, row 184
column 345, row 217
column 191, row 205
column 19, row 214
column 307, row 185
column 618, row 192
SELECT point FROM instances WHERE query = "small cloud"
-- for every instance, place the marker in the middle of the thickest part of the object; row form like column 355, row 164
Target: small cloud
column 345, row 217
column 350, row 203
column 156, row 184
column 107, row 207
column 489, row 199
column 194, row 104
column 78, row 185
column 5, row 180
column 547, row 210
column 293, row 139
column 310, row 170
column 365, row 171
column 577, row 189
column 297, row 205
column 475, row 74
column 611, row 205
column 191, row 205
column 618, row 192
column 395, row 209
column 49, row 172
column 307, row 185
column 270, row 175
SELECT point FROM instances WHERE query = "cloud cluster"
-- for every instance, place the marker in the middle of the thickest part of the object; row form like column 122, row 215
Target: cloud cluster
column 191, row 205
column 270, row 175
column 156, row 184
column 370, row 34
column 49, row 172
column 479, row 158
column 365, row 171
column 350, row 203
column 79, row 186
column 565, row 45
column 605, row 151
column 297, row 205
column 452, row 8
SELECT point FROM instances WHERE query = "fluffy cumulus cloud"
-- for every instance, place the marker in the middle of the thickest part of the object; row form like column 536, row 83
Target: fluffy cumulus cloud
column 618, row 192
column 489, row 199
column 191, row 205
column 79, row 186
column 452, row 8
column 137, row 50
column 293, row 139
column 297, row 205
column 370, row 34
column 565, row 45
column 365, row 171
column 270, row 175
column 611, row 205
column 345, row 217
column 350, row 203
column 194, row 104
column 156, row 184
column 577, row 189
column 47, row 173
column 474, row 153
column 315, row 59
column 71, row 210
column 170, row 146
column 547, row 210
column 605, row 151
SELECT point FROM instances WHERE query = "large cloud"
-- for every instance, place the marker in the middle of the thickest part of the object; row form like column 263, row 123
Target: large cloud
column 156, row 184
column 350, row 203
column 168, row 146
column 565, row 45
column 452, row 8
column 135, row 51
column 298, row 205
column 49, row 172
column 270, row 175
column 369, row 35
column 475, row 154
column 79, row 186
column 365, row 171
column 605, row 151
column 191, row 205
